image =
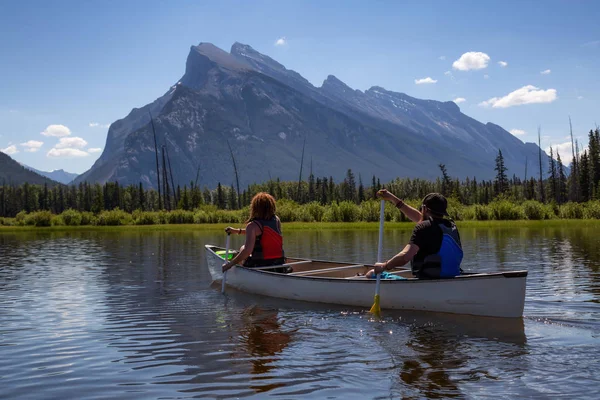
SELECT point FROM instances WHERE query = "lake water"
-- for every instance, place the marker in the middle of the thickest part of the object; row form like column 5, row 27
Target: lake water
column 133, row 315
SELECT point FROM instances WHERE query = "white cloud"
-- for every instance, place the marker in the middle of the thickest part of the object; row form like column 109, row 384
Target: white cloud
column 98, row 125
column 526, row 95
column 94, row 150
column 486, row 76
column 425, row 81
column 579, row 97
column 471, row 60
column 442, row 58
column 546, row 72
column 56, row 131
column 72, row 142
column 563, row 148
column 31, row 146
column 518, row 132
column 282, row 41
column 502, row 63
column 448, row 73
column 10, row 150
column 459, row 100
column 66, row 153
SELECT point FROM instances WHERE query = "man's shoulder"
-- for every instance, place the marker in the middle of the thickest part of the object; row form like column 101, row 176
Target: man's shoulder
column 423, row 225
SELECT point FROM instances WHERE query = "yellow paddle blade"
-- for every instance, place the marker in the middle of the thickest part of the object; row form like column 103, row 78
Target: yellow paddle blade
column 376, row 309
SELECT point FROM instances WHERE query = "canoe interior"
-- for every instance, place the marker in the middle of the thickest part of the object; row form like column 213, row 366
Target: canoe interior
column 323, row 269
column 332, row 269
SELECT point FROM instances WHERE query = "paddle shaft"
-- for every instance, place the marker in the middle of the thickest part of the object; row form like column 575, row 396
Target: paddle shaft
column 381, row 220
column 380, row 245
column 226, row 260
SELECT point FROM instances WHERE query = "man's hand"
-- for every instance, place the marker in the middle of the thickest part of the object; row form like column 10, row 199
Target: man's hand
column 387, row 195
column 379, row 268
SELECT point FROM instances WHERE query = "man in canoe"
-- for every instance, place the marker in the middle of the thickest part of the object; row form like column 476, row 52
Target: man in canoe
column 264, row 241
column 434, row 248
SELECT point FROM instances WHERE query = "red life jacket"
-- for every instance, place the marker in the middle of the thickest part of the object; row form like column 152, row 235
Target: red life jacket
column 268, row 246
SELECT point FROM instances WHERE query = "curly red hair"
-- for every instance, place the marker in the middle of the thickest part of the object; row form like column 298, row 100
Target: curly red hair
column 262, row 206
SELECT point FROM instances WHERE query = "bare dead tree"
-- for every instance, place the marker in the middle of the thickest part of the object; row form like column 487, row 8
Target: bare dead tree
column 157, row 168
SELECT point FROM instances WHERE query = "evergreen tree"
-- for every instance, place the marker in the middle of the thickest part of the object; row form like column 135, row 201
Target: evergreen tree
column 562, row 180
column 584, row 177
column 349, row 190
column 552, row 187
column 501, row 181
column 374, row 188
column 361, row 190
column 232, row 198
column 220, row 197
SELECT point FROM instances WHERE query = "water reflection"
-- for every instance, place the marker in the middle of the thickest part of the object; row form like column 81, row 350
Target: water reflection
column 264, row 340
column 133, row 314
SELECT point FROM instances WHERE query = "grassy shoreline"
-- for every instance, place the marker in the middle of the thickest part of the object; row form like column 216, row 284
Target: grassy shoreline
column 295, row 226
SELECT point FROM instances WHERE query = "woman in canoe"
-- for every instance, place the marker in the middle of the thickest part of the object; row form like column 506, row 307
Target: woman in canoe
column 264, row 241
column 434, row 248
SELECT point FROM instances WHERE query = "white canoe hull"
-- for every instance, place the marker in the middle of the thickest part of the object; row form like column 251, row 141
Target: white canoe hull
column 495, row 295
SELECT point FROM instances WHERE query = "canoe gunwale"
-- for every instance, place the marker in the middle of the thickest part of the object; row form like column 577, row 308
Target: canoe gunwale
column 469, row 276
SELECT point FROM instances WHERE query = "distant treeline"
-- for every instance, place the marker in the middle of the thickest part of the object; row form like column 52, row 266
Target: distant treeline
column 552, row 192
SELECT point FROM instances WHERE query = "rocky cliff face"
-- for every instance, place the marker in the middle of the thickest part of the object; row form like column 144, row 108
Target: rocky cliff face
column 266, row 111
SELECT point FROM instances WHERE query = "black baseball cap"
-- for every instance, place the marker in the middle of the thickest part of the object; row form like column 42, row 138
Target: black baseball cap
column 436, row 203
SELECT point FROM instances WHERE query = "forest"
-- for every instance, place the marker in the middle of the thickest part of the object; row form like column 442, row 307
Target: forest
column 547, row 193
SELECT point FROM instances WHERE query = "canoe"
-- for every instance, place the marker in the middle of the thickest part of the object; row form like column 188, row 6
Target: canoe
column 500, row 294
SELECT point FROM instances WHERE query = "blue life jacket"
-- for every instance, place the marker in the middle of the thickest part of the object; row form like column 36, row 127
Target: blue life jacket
column 450, row 253
column 446, row 262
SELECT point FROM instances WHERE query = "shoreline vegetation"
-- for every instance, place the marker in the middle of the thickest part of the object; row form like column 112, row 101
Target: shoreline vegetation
column 341, row 215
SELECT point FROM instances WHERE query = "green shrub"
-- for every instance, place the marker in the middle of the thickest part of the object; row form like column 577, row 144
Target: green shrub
column 57, row 221
column 468, row 213
column 503, row 210
column 332, row 213
column 88, row 218
column 482, row 212
column 349, row 211
column 7, row 221
column 180, row 217
column 303, row 215
column 145, row 217
column 39, row 218
column 114, row 217
column 163, row 217
column 20, row 218
column 369, row 211
column 202, row 217
column 227, row 217
column 455, row 209
column 571, row 211
column 592, row 210
column 534, row 210
column 71, row 217
column 287, row 210
column 316, row 210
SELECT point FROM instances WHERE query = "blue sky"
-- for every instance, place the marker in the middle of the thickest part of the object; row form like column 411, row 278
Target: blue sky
column 72, row 68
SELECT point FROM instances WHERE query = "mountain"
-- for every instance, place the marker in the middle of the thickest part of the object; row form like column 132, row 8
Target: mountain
column 266, row 112
column 58, row 175
column 11, row 172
